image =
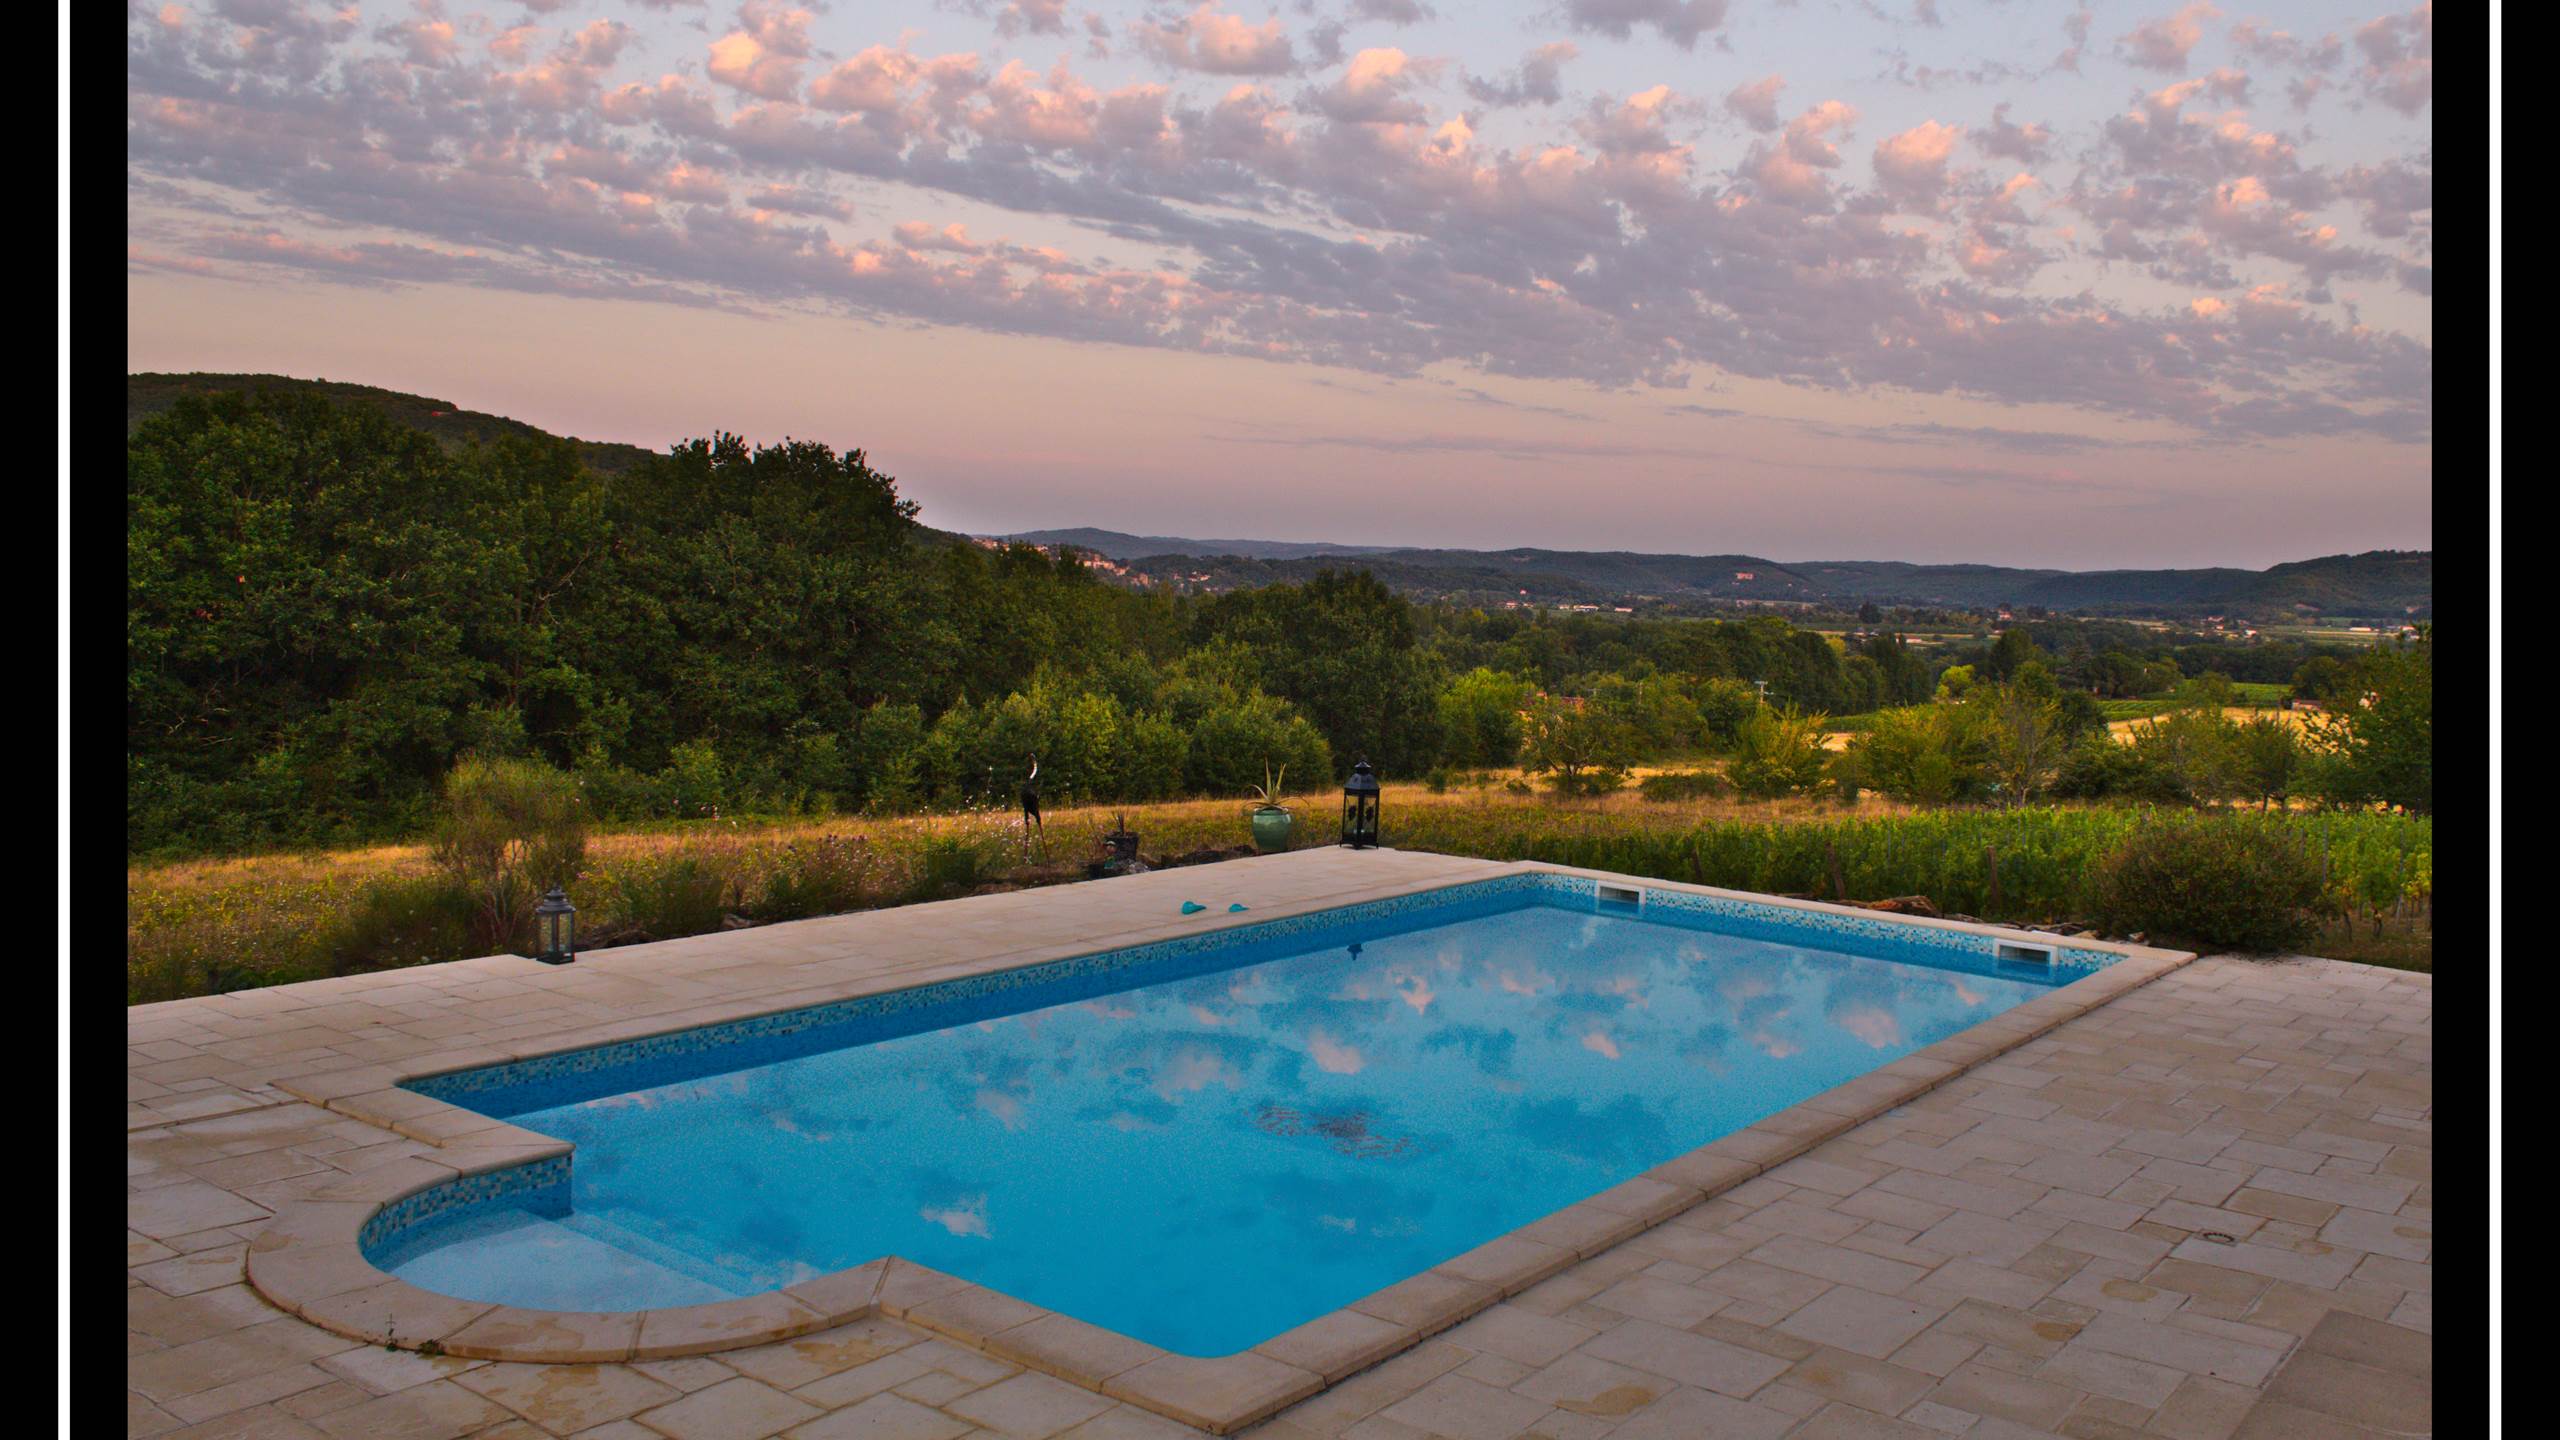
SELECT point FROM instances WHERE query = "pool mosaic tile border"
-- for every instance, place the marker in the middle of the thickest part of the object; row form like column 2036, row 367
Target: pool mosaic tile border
column 540, row 1184
column 1759, row 919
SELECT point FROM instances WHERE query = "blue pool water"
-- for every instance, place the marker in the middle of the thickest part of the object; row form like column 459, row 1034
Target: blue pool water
column 1204, row 1149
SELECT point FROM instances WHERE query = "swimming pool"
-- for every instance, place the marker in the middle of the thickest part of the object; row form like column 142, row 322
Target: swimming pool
column 1204, row 1142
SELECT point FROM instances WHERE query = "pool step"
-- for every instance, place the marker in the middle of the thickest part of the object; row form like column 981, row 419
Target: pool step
column 656, row 1254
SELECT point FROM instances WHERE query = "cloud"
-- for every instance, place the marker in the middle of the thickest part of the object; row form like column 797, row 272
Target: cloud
column 1373, row 89
column 2029, row 144
column 1216, row 44
column 1332, row 1056
column 1032, row 17
column 1539, row 79
column 1912, row 166
column 2399, row 51
column 1755, row 102
column 1679, row 21
column 2164, row 43
column 764, row 55
column 965, row 1217
column 1792, row 170
column 1372, row 220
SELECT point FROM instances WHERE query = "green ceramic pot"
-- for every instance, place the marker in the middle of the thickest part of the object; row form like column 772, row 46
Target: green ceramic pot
column 1271, row 826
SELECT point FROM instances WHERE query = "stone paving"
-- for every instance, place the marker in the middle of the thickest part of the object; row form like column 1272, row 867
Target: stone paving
column 2201, row 1210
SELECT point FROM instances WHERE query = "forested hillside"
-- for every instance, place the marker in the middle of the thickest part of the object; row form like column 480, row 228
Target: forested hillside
column 146, row 395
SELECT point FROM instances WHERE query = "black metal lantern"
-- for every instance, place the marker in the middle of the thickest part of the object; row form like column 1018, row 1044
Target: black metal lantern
column 555, row 928
column 1360, row 807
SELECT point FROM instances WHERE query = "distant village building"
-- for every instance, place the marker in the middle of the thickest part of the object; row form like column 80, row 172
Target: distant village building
column 1745, row 575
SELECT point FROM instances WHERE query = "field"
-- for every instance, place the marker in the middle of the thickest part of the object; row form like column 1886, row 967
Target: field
column 2123, row 728
column 197, row 926
column 2123, row 716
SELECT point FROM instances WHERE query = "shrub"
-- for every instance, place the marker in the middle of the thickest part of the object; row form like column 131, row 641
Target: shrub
column 508, row 830
column 954, row 863
column 1684, row 785
column 2096, row 767
column 1778, row 752
column 2209, row 881
column 886, row 763
column 662, row 898
column 825, row 876
column 1233, row 741
column 618, row 792
column 696, row 780
column 401, row 921
column 1928, row 754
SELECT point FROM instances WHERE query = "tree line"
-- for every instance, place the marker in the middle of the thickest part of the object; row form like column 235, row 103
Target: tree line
column 326, row 609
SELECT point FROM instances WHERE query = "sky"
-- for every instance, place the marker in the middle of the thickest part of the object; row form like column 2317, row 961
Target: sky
column 1932, row 280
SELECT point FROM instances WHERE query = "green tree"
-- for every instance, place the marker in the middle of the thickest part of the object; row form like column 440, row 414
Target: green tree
column 2014, row 649
column 2322, row 678
column 1582, row 750
column 2267, row 757
column 1342, row 648
column 1724, row 706
column 2025, row 743
column 1480, row 718
column 2212, row 690
column 2379, row 748
column 2187, row 757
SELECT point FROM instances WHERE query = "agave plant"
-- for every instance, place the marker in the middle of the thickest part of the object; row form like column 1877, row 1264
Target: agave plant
column 1269, row 791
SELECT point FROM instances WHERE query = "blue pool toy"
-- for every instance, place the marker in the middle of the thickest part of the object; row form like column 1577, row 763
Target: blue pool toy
column 1192, row 907
column 1235, row 909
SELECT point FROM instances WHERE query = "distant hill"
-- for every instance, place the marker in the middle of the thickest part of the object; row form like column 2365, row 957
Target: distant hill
column 146, row 395
column 1119, row 545
column 2383, row 583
